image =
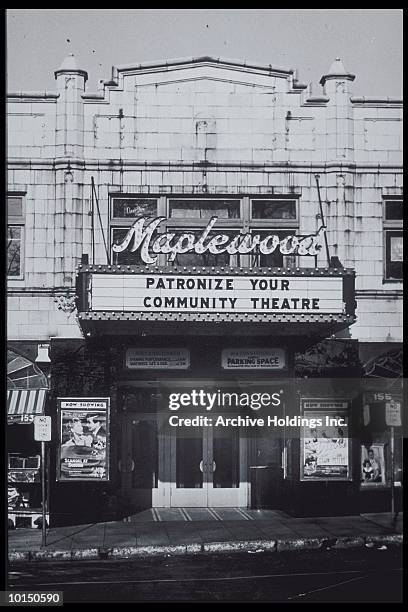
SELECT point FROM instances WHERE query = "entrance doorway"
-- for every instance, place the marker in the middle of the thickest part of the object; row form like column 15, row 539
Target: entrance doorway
column 141, row 460
column 165, row 466
column 208, row 467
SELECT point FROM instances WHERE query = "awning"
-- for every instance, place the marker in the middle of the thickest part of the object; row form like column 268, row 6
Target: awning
column 25, row 402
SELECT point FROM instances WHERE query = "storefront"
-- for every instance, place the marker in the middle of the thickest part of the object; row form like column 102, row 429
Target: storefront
column 381, row 428
column 27, row 389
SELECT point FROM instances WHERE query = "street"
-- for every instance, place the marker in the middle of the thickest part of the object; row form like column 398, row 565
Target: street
column 350, row 575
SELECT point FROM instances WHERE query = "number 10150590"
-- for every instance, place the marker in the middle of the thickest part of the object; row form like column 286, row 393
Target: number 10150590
column 33, row 598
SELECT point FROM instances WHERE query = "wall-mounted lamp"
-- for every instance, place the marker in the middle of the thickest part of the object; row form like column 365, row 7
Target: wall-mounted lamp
column 43, row 354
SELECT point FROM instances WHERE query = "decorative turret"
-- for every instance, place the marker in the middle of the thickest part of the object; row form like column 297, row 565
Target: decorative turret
column 339, row 119
column 337, row 74
column 69, row 66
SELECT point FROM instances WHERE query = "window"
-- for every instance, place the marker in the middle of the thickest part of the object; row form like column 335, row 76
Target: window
column 25, row 463
column 132, row 208
column 280, row 216
column 273, row 209
column 124, row 211
column 235, row 215
column 206, row 259
column 126, row 257
column 393, row 255
column 204, row 209
column 15, row 236
column 275, row 259
column 393, row 241
column 393, row 210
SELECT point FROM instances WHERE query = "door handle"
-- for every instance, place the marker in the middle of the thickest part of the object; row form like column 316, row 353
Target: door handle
column 205, row 466
column 129, row 466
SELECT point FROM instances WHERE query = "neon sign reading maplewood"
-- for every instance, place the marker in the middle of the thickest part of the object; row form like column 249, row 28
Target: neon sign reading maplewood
column 151, row 243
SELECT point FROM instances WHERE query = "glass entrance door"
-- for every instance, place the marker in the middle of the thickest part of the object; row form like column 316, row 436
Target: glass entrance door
column 189, row 477
column 140, row 463
column 163, row 466
column 208, row 467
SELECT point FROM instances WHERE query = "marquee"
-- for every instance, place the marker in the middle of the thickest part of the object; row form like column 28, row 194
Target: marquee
column 147, row 293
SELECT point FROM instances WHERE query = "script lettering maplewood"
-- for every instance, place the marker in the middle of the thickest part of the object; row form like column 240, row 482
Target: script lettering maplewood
column 145, row 236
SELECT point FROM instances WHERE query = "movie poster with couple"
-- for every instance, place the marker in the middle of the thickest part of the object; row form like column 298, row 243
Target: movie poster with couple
column 83, row 426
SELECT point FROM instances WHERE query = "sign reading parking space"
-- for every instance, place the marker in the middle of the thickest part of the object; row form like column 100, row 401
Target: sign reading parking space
column 42, row 428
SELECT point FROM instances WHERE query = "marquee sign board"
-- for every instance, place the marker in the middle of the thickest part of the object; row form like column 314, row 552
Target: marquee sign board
column 241, row 294
column 131, row 293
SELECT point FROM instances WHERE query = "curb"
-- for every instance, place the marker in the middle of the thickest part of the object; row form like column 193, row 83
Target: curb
column 243, row 546
column 250, row 546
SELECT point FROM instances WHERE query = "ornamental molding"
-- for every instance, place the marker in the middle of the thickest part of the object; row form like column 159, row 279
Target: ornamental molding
column 65, row 303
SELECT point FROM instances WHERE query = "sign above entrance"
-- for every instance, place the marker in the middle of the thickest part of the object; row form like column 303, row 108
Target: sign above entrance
column 215, row 294
column 253, row 359
column 145, row 238
column 299, row 296
column 157, row 359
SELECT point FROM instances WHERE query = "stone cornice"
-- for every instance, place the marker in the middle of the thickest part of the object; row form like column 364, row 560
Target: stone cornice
column 118, row 164
column 378, row 293
column 206, row 60
column 38, row 96
column 363, row 101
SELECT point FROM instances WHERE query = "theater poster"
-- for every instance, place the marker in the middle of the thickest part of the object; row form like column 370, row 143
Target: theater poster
column 83, row 445
column 325, row 449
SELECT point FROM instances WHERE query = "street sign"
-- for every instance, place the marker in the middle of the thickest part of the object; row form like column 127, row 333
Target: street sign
column 393, row 414
column 42, row 428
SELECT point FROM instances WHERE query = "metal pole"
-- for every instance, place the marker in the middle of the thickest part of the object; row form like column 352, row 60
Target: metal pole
column 392, row 473
column 92, row 220
column 100, row 223
column 44, row 530
column 323, row 220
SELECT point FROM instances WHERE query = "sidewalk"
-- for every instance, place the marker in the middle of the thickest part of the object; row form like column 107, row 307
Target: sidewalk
column 184, row 531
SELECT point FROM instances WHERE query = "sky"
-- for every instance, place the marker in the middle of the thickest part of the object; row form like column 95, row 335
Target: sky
column 369, row 42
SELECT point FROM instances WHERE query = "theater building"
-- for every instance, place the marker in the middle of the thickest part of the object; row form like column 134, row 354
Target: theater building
column 194, row 235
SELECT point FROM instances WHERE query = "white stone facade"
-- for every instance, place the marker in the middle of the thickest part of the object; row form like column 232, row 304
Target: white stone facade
column 199, row 127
